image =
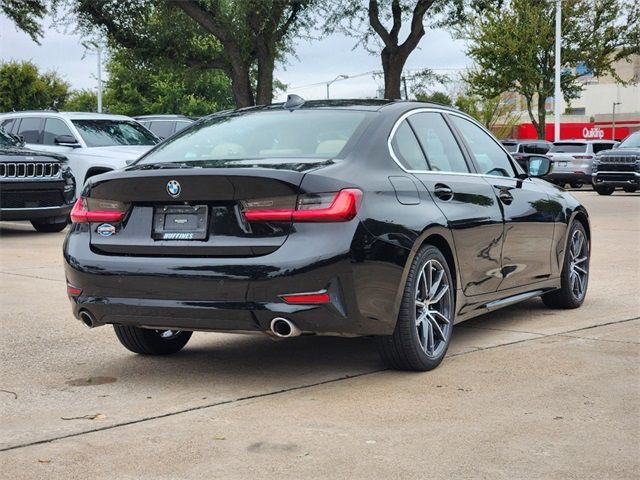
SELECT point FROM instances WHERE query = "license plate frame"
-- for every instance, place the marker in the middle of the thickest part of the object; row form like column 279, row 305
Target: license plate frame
column 180, row 222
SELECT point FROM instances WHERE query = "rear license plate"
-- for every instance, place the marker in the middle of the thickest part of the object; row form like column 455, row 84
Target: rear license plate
column 562, row 164
column 180, row 222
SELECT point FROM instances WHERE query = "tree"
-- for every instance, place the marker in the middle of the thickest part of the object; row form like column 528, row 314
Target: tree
column 139, row 86
column 496, row 113
column 26, row 15
column 81, row 101
column 435, row 97
column 23, row 87
column 379, row 22
column 513, row 47
column 242, row 38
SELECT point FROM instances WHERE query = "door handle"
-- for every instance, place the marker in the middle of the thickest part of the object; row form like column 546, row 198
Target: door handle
column 505, row 196
column 443, row 192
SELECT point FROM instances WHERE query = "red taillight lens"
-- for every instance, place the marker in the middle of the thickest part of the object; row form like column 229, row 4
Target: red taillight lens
column 313, row 297
column 583, row 157
column 338, row 207
column 92, row 210
column 73, row 291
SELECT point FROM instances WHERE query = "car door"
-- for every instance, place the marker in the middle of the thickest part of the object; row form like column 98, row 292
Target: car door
column 55, row 127
column 529, row 213
column 467, row 202
column 30, row 129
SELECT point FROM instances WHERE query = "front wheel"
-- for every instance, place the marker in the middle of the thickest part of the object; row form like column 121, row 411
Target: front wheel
column 49, row 227
column 151, row 342
column 605, row 190
column 425, row 321
column 575, row 271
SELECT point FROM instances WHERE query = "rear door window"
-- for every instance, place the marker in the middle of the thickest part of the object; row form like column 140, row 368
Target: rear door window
column 439, row 144
column 30, row 129
column 7, row 125
column 162, row 128
column 181, row 125
column 54, row 127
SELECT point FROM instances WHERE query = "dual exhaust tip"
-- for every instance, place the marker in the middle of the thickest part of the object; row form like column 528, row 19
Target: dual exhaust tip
column 284, row 328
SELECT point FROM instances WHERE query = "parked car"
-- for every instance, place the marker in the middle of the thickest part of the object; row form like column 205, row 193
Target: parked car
column 35, row 186
column 618, row 167
column 572, row 160
column 526, row 146
column 163, row 126
column 94, row 143
column 364, row 217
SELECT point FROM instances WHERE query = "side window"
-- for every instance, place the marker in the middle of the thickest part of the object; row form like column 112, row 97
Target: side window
column 54, row 127
column 30, row 129
column 162, row 129
column 180, row 125
column 406, row 146
column 491, row 159
column 439, row 144
column 7, row 125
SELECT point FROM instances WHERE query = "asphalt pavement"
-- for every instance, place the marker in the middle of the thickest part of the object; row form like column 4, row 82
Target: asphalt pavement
column 525, row 392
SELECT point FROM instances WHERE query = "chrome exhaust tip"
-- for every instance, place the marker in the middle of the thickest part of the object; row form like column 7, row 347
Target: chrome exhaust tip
column 283, row 328
column 88, row 319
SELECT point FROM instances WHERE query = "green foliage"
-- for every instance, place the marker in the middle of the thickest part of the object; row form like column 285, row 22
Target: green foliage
column 26, row 15
column 81, row 101
column 494, row 113
column 514, row 47
column 23, row 87
column 139, row 86
column 435, row 97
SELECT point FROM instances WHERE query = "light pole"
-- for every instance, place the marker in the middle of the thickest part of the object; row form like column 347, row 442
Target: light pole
column 97, row 48
column 557, row 93
column 613, row 122
column 339, row 77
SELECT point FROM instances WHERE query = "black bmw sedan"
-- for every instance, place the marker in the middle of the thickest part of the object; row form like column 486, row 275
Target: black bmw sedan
column 388, row 219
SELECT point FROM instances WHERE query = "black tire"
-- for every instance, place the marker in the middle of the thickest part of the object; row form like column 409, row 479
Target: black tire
column 49, row 227
column 577, row 185
column 630, row 189
column 151, row 342
column 407, row 348
column 566, row 296
column 605, row 190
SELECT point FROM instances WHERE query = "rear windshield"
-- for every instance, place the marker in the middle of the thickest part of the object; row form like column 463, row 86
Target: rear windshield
column 312, row 134
column 568, row 148
column 510, row 147
column 106, row 133
column 632, row 141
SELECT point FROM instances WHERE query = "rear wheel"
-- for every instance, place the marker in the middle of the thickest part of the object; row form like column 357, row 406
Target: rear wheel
column 605, row 190
column 425, row 322
column 151, row 342
column 45, row 226
column 577, row 185
column 575, row 271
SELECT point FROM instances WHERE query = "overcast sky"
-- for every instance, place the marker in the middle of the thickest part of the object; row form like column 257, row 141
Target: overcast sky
column 317, row 61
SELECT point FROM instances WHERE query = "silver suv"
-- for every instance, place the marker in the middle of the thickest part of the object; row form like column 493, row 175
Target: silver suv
column 94, row 143
column 572, row 160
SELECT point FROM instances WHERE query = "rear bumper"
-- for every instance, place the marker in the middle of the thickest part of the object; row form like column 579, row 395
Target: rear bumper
column 35, row 213
column 568, row 177
column 242, row 294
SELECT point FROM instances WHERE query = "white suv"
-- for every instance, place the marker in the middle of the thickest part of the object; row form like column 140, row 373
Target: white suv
column 94, row 143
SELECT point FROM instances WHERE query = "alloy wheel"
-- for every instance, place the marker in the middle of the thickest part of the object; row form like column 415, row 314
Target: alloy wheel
column 433, row 308
column 578, row 264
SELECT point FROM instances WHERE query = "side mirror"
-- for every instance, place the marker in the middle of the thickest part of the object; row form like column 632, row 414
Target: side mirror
column 66, row 141
column 538, row 166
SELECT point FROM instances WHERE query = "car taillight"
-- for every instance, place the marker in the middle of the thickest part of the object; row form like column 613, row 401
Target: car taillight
column 89, row 210
column 324, row 207
column 583, row 157
column 307, row 298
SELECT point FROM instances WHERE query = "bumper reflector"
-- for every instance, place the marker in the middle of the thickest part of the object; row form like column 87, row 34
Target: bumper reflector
column 307, row 298
column 73, row 291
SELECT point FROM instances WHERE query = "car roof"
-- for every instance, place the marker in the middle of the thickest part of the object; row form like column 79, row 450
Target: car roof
column 581, row 140
column 162, row 117
column 68, row 115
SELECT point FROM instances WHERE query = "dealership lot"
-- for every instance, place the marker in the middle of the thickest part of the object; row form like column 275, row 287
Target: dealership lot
column 526, row 392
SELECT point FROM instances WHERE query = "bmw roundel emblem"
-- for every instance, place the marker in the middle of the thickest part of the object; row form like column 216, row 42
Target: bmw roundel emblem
column 173, row 188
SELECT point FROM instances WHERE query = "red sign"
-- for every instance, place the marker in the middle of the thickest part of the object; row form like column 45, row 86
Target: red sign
column 570, row 131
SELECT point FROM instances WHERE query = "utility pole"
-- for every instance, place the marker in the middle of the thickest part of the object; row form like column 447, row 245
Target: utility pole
column 613, row 122
column 557, row 92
